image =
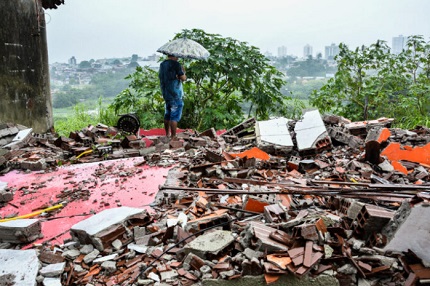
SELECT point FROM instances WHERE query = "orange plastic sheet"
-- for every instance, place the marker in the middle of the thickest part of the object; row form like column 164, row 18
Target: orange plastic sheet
column 385, row 134
column 399, row 167
column 396, row 152
column 253, row 153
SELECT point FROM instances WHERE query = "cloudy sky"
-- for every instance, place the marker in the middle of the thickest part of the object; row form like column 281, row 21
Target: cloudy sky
column 93, row 29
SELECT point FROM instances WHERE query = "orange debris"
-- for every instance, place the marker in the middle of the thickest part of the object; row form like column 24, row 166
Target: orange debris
column 395, row 152
column 384, row 135
column 270, row 278
column 254, row 205
column 253, row 153
column 279, row 260
column 399, row 167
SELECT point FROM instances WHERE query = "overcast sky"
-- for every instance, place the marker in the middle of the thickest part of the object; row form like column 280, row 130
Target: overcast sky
column 94, row 29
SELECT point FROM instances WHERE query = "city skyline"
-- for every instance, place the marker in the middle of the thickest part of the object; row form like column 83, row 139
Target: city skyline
column 89, row 29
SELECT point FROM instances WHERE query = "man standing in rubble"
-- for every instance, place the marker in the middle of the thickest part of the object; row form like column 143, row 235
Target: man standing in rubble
column 171, row 75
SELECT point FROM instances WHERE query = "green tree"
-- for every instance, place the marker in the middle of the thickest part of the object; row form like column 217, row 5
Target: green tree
column 371, row 82
column 349, row 93
column 234, row 73
column 85, row 65
column 308, row 68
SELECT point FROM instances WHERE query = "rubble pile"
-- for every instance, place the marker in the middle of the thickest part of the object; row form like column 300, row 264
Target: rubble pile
column 321, row 200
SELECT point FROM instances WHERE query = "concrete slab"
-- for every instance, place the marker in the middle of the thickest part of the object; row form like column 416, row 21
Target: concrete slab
column 210, row 243
column 22, row 136
column 310, row 130
column 89, row 230
column 20, row 230
column 18, row 267
column 274, row 131
column 413, row 234
column 105, row 219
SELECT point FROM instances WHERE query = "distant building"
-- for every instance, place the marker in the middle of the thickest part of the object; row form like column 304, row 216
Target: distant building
column 72, row 61
column 268, row 54
column 331, row 51
column 307, row 51
column 282, row 52
column 398, row 44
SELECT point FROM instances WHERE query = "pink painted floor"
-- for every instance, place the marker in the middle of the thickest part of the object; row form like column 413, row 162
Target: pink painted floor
column 109, row 184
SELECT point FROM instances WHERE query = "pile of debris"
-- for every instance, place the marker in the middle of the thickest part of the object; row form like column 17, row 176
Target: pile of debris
column 321, row 201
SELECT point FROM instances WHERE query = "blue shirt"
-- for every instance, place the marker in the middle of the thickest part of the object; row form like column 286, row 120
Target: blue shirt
column 169, row 73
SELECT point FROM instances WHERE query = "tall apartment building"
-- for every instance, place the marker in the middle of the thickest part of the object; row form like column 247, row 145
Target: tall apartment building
column 398, row 44
column 72, row 61
column 331, row 51
column 282, row 51
column 307, row 51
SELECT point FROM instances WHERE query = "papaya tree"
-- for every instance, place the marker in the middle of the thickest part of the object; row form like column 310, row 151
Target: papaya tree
column 217, row 88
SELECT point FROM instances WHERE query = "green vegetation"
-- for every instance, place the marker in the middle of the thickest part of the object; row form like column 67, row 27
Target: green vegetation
column 235, row 73
column 79, row 116
column 105, row 85
column 371, row 82
column 311, row 67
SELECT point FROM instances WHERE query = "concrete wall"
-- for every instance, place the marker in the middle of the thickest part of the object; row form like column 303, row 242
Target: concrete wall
column 25, row 96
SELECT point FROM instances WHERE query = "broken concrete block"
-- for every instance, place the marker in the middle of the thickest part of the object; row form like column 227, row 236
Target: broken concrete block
column 311, row 134
column 373, row 141
column 167, row 275
column 206, row 221
column 52, row 282
column 103, row 228
column 33, row 164
column 371, row 219
column 410, row 229
column 338, row 135
column 20, row 230
column 18, row 267
column 275, row 213
column 210, row 244
column 258, row 235
column 5, row 194
column 274, row 133
column 238, row 128
column 21, row 138
column 53, row 270
column 193, row 261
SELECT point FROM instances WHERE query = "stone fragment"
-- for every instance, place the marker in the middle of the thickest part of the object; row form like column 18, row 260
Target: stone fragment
column 87, row 248
column 53, row 270
column 71, row 254
column 167, row 275
column 52, row 282
column 106, row 258
column 210, row 244
column 91, row 256
column 109, row 266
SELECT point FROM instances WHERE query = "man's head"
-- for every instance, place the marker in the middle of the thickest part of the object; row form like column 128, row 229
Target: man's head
column 172, row 57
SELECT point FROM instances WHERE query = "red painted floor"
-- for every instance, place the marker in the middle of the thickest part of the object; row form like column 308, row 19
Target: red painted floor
column 107, row 184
